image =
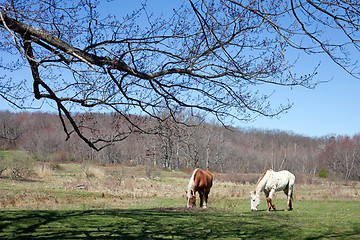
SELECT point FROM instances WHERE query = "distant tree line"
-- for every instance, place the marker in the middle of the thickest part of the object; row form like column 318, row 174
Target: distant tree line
column 221, row 58
column 181, row 146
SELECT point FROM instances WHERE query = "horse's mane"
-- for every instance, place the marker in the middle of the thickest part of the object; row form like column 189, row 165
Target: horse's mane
column 192, row 179
column 261, row 177
column 194, row 173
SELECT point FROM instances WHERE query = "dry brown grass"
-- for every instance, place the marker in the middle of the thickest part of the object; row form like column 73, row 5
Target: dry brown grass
column 117, row 185
column 93, row 171
column 42, row 170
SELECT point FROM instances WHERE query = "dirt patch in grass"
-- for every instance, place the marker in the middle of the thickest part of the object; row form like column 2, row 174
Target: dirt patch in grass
column 180, row 209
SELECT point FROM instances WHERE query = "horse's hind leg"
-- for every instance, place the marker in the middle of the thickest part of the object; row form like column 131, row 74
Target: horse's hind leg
column 201, row 194
column 206, row 199
column 290, row 204
column 288, row 192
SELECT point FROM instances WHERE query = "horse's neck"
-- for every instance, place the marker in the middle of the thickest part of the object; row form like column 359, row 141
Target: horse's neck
column 261, row 185
column 191, row 184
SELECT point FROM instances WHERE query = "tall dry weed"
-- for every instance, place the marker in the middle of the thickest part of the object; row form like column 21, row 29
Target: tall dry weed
column 43, row 171
column 92, row 171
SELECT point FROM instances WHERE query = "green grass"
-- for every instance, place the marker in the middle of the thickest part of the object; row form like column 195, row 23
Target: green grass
column 52, row 207
column 5, row 154
column 226, row 219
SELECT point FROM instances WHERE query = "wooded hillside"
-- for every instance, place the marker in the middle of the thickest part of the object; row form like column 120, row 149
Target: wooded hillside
column 175, row 146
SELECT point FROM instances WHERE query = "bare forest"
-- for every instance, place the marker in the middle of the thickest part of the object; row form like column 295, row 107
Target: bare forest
column 223, row 59
column 177, row 146
column 159, row 69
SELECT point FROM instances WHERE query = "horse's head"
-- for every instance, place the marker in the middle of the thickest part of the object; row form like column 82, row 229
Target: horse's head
column 255, row 201
column 191, row 199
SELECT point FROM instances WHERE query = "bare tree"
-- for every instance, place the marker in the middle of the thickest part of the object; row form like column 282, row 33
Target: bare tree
column 207, row 56
column 10, row 130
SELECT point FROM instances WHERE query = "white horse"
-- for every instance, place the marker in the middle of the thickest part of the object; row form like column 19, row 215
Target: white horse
column 270, row 182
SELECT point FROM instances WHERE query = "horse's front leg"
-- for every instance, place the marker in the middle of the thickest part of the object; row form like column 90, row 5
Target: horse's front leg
column 269, row 200
column 268, row 203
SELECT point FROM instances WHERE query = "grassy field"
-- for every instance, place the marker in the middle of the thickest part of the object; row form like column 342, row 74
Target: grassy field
column 79, row 201
column 312, row 219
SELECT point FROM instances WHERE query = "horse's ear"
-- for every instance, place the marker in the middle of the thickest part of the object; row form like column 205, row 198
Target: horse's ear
column 186, row 191
column 191, row 191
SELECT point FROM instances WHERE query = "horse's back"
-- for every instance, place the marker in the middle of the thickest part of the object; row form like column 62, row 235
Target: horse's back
column 203, row 179
column 280, row 180
column 289, row 176
column 209, row 177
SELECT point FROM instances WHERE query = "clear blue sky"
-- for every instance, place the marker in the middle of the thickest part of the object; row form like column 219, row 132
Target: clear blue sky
column 332, row 108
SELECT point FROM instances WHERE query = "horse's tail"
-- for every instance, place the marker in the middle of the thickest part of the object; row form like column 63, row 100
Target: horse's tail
column 292, row 195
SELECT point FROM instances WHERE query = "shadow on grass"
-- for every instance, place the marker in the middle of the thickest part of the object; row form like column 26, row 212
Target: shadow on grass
column 20, row 179
column 156, row 223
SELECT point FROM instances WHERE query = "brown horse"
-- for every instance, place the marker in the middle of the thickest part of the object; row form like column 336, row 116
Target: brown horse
column 201, row 182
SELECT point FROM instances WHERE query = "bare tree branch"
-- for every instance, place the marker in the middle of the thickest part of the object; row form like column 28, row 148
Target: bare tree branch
column 207, row 57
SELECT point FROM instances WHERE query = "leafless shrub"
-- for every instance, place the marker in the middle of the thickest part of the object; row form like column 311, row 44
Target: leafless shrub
column 2, row 169
column 16, row 166
column 152, row 172
column 21, row 166
column 118, row 176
